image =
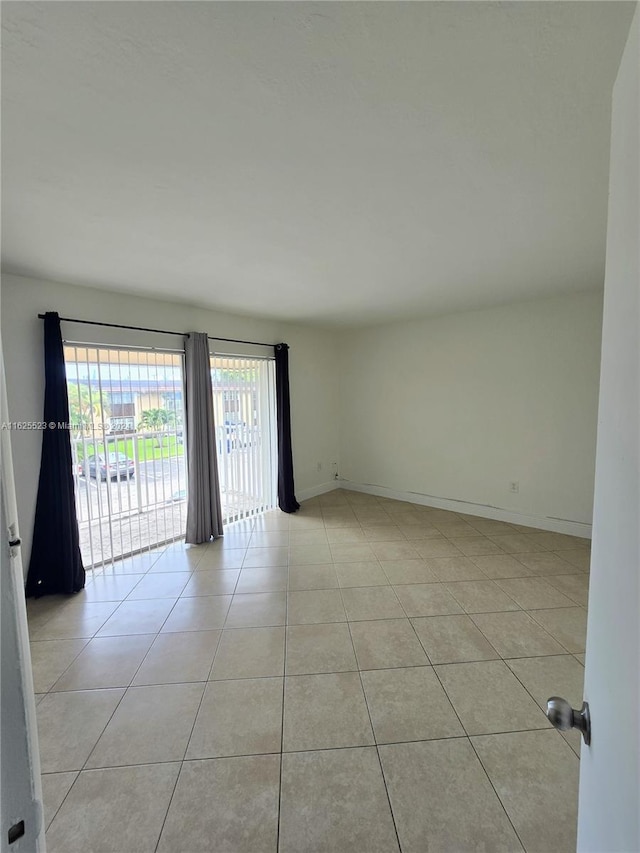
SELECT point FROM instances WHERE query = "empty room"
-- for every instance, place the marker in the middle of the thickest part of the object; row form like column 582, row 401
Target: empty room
column 320, row 427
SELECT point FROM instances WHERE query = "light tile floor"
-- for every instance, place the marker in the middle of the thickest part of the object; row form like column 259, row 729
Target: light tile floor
column 365, row 675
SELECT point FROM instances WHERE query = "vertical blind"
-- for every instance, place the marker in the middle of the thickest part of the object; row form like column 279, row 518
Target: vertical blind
column 126, row 420
column 244, row 410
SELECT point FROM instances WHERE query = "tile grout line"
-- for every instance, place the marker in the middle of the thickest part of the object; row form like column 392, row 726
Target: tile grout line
column 571, row 570
column 77, row 772
column 517, row 834
column 51, row 690
column 125, row 689
column 546, row 728
column 540, row 625
column 469, row 614
column 192, row 727
column 373, row 734
column 188, row 740
column 462, row 736
column 468, row 737
column 166, row 814
column 514, row 657
column 88, row 641
column 124, row 693
column 282, row 712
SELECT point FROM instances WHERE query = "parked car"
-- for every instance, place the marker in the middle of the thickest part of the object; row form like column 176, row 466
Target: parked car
column 115, row 465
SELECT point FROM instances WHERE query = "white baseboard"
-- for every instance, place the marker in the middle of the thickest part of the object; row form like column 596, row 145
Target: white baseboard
column 322, row 489
column 555, row 525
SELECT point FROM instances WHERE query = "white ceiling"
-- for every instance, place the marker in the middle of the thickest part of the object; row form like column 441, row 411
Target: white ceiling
column 335, row 163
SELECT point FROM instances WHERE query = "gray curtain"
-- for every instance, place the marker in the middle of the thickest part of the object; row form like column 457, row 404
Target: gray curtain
column 204, row 516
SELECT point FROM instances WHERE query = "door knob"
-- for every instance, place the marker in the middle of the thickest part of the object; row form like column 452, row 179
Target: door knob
column 564, row 717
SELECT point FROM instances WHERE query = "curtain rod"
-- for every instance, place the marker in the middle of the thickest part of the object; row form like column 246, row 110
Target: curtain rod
column 157, row 331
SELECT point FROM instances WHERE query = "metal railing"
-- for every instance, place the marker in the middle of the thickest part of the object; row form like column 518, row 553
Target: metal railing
column 128, row 444
column 244, row 411
column 126, row 419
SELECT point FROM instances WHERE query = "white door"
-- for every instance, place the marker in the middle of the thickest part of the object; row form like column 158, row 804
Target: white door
column 609, row 809
column 21, row 819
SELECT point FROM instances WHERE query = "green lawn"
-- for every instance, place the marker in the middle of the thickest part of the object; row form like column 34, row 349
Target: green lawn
column 148, row 449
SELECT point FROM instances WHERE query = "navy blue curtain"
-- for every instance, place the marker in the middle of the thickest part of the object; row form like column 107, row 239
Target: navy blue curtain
column 286, row 492
column 56, row 562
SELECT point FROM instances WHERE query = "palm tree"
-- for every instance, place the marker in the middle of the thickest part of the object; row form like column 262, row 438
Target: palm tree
column 153, row 419
column 156, row 420
column 87, row 408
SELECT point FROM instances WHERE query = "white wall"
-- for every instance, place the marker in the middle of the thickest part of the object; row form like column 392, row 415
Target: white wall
column 456, row 407
column 312, row 364
column 451, row 407
column 609, row 810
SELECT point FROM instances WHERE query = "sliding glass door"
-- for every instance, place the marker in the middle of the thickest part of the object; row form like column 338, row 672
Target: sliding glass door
column 244, row 411
column 127, row 439
column 128, row 444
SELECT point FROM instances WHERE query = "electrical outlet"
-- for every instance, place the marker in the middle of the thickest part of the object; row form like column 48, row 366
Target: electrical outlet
column 514, row 487
column 318, row 466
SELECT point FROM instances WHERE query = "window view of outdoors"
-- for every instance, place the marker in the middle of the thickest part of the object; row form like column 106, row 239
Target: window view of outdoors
column 128, row 444
column 126, row 411
column 244, row 413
